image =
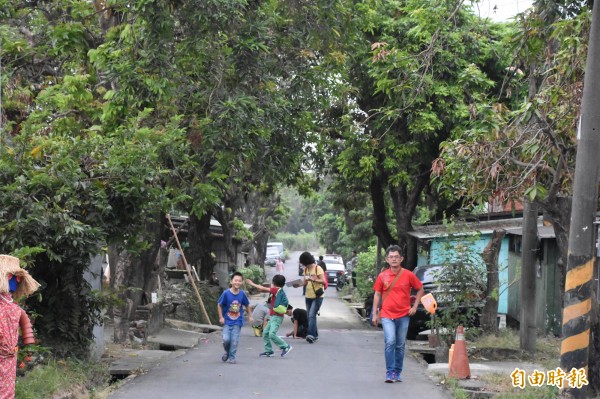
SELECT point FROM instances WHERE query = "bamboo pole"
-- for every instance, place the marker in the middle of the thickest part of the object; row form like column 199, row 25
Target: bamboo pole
column 189, row 270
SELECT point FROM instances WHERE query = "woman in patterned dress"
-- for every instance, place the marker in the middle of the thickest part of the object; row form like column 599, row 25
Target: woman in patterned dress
column 15, row 280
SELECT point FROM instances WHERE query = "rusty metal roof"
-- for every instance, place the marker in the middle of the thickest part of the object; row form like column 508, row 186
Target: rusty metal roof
column 461, row 228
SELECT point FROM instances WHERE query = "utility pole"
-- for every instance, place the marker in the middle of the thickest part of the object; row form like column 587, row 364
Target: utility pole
column 527, row 329
column 579, row 289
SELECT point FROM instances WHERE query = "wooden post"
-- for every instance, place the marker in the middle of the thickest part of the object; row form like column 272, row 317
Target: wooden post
column 527, row 330
column 189, row 271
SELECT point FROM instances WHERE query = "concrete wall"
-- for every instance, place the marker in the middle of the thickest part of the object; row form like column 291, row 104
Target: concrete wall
column 514, row 290
column 548, row 298
column 439, row 253
column 550, row 309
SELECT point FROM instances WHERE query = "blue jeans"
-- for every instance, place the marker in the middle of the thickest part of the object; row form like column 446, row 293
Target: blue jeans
column 231, row 339
column 394, row 335
column 312, row 308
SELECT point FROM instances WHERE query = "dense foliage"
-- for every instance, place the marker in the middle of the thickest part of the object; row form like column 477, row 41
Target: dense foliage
column 117, row 112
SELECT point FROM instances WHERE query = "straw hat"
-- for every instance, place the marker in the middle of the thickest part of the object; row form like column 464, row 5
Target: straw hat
column 10, row 265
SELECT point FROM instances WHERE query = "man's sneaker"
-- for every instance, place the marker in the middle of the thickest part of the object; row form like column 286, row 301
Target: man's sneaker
column 225, row 357
column 315, row 339
column 266, row 354
column 397, row 377
column 310, row 339
column 389, row 376
column 231, row 361
column 287, row 350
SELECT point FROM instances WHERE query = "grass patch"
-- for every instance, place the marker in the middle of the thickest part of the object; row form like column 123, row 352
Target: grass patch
column 547, row 348
column 507, row 343
column 58, row 376
column 506, row 338
column 457, row 391
column 543, row 392
column 503, row 384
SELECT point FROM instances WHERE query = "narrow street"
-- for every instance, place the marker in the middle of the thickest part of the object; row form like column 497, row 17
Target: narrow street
column 347, row 362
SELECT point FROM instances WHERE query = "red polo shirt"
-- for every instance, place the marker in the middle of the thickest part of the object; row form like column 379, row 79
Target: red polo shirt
column 397, row 302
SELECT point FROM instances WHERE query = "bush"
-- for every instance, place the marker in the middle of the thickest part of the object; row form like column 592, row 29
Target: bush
column 365, row 272
column 460, row 287
column 254, row 273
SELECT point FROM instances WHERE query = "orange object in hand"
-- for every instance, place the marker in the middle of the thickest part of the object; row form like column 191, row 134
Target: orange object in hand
column 429, row 303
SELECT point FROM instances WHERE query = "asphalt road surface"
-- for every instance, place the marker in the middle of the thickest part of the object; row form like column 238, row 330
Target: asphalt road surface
column 346, row 362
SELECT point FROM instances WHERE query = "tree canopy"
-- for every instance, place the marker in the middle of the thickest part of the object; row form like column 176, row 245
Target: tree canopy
column 115, row 112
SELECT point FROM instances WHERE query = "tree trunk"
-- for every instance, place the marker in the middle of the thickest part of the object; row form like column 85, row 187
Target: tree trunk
column 228, row 232
column 133, row 277
column 200, row 249
column 120, row 264
column 490, row 257
column 380, row 227
column 559, row 214
column 256, row 210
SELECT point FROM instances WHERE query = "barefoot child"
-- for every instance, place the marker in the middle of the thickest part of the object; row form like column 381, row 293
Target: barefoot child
column 231, row 316
column 279, row 307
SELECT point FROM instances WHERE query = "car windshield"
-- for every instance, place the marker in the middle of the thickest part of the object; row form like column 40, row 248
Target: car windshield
column 272, row 252
column 334, row 266
column 332, row 259
column 428, row 274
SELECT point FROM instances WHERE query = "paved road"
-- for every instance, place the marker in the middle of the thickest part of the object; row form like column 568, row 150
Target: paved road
column 347, row 362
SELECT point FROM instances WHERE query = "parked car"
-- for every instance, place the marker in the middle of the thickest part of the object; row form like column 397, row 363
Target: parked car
column 280, row 249
column 332, row 258
column 272, row 256
column 334, row 264
column 444, row 294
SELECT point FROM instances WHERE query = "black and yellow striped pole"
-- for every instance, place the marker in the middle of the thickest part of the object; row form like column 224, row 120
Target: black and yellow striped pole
column 579, row 290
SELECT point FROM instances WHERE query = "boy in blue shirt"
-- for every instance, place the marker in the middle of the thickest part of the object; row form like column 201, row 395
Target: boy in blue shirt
column 231, row 315
column 279, row 306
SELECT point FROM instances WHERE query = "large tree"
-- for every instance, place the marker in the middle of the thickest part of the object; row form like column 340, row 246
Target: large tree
column 526, row 147
column 117, row 112
column 417, row 70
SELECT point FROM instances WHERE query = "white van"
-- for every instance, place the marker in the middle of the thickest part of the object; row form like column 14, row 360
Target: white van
column 280, row 248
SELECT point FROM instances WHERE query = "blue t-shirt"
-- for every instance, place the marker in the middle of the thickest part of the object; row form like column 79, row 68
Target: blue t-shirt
column 232, row 307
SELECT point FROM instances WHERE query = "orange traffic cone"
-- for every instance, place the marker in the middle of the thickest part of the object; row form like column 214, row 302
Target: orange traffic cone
column 450, row 355
column 459, row 368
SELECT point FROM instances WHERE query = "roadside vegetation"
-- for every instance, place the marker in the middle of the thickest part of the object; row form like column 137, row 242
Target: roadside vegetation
column 505, row 346
column 63, row 378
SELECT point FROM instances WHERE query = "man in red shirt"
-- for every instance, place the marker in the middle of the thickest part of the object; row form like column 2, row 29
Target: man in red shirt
column 392, row 295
